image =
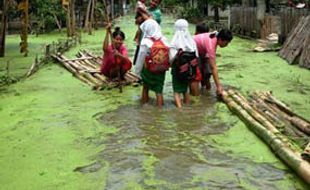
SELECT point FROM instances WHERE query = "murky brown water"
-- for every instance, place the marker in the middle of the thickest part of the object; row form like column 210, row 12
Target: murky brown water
column 170, row 149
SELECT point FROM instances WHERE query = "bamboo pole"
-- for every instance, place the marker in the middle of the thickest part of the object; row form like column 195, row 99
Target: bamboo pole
column 284, row 125
column 280, row 104
column 85, row 74
column 301, row 124
column 306, row 153
column 79, row 58
column 90, row 67
column 83, row 67
column 280, row 148
column 97, row 58
column 296, row 120
column 74, row 71
column 281, row 118
column 95, row 82
column 88, row 63
column 260, row 106
column 286, row 117
column 244, row 104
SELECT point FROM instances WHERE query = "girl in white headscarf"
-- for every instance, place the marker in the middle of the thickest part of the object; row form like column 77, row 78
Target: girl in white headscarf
column 181, row 40
column 154, row 82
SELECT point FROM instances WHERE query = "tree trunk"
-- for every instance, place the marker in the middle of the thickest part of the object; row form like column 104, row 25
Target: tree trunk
column 86, row 27
column 206, row 8
column 92, row 12
column 23, row 6
column 57, row 21
column 121, row 8
column 3, row 28
column 73, row 19
column 68, row 20
column 261, row 9
column 216, row 13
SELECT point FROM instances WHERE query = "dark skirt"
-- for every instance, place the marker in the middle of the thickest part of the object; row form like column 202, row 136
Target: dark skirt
column 179, row 86
column 155, row 82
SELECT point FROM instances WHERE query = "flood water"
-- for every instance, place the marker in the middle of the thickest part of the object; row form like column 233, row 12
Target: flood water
column 170, row 148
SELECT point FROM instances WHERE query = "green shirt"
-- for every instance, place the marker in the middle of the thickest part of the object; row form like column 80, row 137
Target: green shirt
column 156, row 14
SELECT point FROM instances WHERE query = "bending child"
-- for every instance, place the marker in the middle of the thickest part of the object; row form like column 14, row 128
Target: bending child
column 194, row 84
column 207, row 44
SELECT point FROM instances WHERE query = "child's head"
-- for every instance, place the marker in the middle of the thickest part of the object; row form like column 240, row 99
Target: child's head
column 181, row 25
column 154, row 3
column 224, row 37
column 201, row 28
column 118, row 37
column 139, row 18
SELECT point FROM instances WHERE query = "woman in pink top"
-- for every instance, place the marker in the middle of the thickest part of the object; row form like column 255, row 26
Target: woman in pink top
column 115, row 60
column 206, row 45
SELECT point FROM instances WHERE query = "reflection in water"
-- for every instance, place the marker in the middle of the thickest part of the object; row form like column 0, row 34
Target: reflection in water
column 170, row 149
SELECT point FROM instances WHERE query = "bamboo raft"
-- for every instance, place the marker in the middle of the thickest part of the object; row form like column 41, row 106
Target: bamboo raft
column 286, row 133
column 86, row 67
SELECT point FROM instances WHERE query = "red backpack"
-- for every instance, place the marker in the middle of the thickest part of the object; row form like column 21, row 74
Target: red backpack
column 158, row 59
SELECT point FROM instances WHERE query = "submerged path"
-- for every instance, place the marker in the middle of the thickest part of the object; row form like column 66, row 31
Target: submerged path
column 56, row 133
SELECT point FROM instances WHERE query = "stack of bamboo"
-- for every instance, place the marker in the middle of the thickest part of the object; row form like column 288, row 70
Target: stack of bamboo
column 285, row 132
column 297, row 46
column 86, row 67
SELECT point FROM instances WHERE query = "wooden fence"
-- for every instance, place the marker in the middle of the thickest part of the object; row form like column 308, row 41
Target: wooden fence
column 243, row 21
column 289, row 18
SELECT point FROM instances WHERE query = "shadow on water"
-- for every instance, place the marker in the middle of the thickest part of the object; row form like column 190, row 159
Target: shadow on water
column 170, row 149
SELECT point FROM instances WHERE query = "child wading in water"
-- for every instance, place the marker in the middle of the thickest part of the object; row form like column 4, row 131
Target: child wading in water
column 182, row 41
column 115, row 62
column 207, row 44
column 151, row 81
column 194, row 84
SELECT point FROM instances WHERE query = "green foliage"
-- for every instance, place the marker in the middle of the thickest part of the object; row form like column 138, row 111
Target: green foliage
column 222, row 4
column 191, row 13
column 45, row 13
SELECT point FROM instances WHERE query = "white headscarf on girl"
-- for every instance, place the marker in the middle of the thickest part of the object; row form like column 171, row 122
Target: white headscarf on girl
column 182, row 39
column 151, row 29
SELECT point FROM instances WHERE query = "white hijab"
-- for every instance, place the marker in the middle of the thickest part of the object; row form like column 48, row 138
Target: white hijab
column 182, row 39
column 151, row 29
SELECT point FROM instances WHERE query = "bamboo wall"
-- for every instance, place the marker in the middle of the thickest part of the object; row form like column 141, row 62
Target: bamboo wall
column 289, row 18
column 243, row 21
